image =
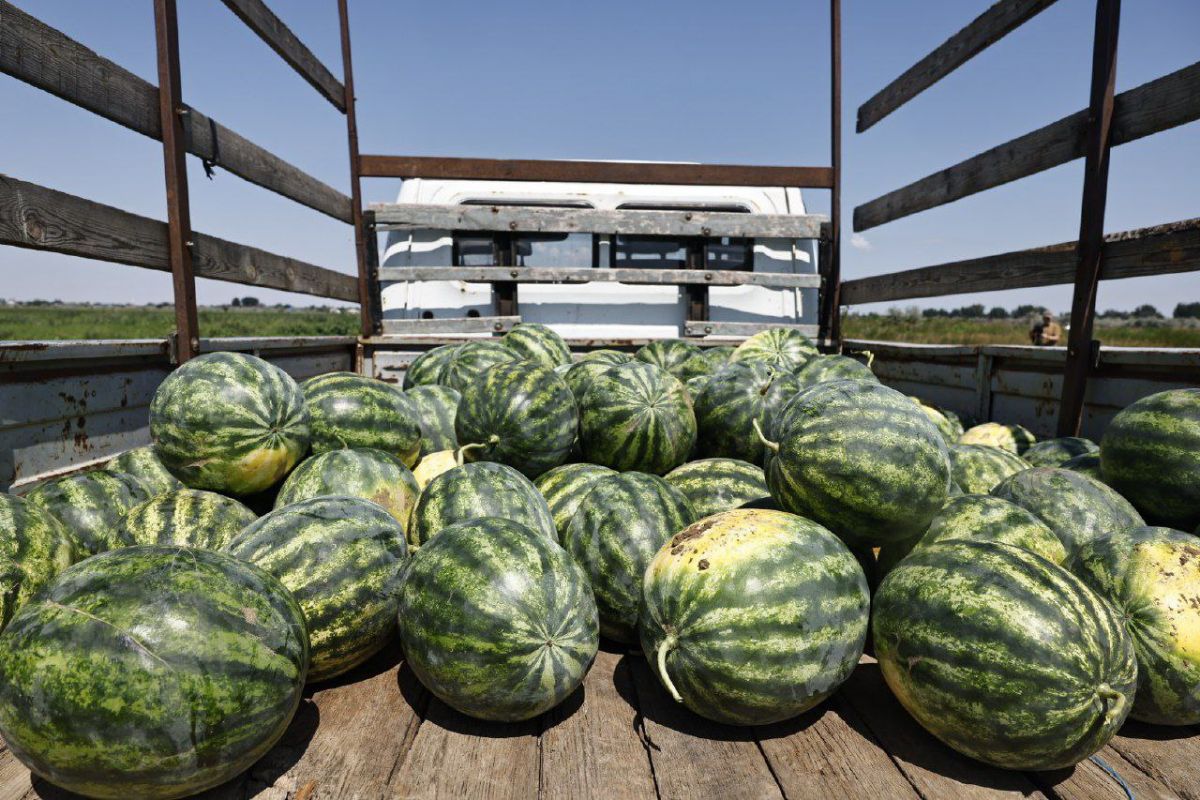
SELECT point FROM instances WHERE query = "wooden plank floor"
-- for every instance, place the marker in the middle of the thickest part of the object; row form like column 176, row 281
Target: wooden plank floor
column 377, row 733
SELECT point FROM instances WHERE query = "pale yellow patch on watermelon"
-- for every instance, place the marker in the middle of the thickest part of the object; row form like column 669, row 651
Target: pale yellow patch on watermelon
column 433, row 465
column 1167, row 574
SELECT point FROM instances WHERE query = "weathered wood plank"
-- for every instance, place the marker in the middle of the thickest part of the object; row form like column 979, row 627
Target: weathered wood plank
column 39, row 218
column 985, row 30
column 449, row 325
column 279, row 37
column 741, row 328
column 631, row 222
column 654, row 277
column 41, row 56
column 1088, row 781
column 1169, row 755
column 1159, row 250
column 639, row 172
column 1155, row 106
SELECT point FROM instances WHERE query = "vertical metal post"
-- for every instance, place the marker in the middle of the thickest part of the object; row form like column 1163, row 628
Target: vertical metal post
column 366, row 275
column 1080, row 348
column 830, row 308
column 179, row 218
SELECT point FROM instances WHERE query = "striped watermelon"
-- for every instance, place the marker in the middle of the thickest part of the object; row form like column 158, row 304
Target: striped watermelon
column 825, row 369
column 751, row 616
column 947, row 422
column 1054, row 452
column 784, row 348
column 977, row 468
column 435, row 408
column 1087, row 464
column 1150, row 453
column 707, row 362
column 520, row 414
column 1077, row 508
column 471, row 360
column 365, row 473
column 983, row 518
column 607, row 356
column 151, row 672
column 732, row 401
column 1013, row 438
column 617, row 528
column 579, row 375
column 434, row 464
column 350, row 410
column 342, row 558
column 230, row 423
column 668, row 354
column 90, row 505
column 1152, row 576
column 563, row 488
column 1002, row 655
column 187, row 518
column 429, row 367
column 696, row 385
column 143, row 464
column 718, row 484
column 537, row 343
column 496, row 620
column 860, row 459
column 636, row 416
column 482, row 489
column 34, row 547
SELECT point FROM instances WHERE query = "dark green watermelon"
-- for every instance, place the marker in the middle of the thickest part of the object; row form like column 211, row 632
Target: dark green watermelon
column 718, row 484
column 496, row 620
column 578, row 376
column 1013, row 438
column 977, row 468
column 563, row 489
column 1087, row 464
column 350, row 410
column 521, row 414
column 706, row 362
column 1054, row 452
column 696, row 385
column 366, row 473
column 668, row 354
column 342, row 558
column 786, row 349
column 983, row 518
column 861, row 459
column 435, row 408
column 636, row 416
column 143, row 464
column 751, row 616
column 429, row 367
column 607, row 356
column 187, row 518
column 482, row 489
column 34, row 548
column 1002, row 655
column 537, row 343
column 466, row 367
column 617, row 528
column 732, row 401
column 1150, row 453
column 825, row 369
column 1077, row 508
column 151, row 672
column 90, row 505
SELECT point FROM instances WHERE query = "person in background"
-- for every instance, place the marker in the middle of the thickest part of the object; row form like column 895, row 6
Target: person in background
column 1047, row 333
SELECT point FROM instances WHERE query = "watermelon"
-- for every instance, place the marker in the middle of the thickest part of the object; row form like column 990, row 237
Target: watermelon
column 471, row 360
column 1150, row 453
column 977, row 468
column 718, row 484
column 90, row 505
column 151, row 672
column 1003, row 655
column 537, row 343
column 482, row 489
column 366, row 473
column 143, row 464
column 617, row 528
column 668, row 354
column 751, row 616
column 434, row 464
column 34, row 547
column 434, row 408
column 638, row 417
column 706, row 362
column 696, row 385
column 784, row 348
column 579, row 375
column 496, row 620
column 860, row 459
column 520, row 414
column 1087, row 464
column 1053, row 452
column 607, row 356
column 342, row 558
column 1013, row 438
column 983, row 518
column 350, row 410
column 732, row 401
column 824, row 369
column 186, row 517
column 1152, row 576
column 563, row 489
column 1077, row 508
column 429, row 367
column 229, row 422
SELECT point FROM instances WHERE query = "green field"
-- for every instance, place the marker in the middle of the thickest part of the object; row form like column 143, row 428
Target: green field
column 942, row 330
column 136, row 322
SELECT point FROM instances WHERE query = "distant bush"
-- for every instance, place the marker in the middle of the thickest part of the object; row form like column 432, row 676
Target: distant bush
column 1187, row 311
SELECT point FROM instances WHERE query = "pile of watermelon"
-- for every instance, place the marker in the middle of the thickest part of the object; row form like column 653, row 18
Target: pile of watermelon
column 745, row 516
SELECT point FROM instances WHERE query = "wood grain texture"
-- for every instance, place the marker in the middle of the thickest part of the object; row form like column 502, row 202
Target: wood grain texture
column 741, row 328
column 279, row 37
column 651, row 277
column 449, row 325
column 43, row 57
column 1088, row 781
column 39, row 218
column 1169, row 755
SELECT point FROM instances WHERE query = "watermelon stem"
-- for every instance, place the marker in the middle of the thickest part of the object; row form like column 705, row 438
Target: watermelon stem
column 667, row 645
column 1113, row 699
column 766, row 442
column 870, row 357
column 458, row 454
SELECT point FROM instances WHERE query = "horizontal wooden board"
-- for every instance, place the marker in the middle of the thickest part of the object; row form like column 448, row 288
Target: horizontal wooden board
column 707, row 328
column 652, row 277
column 41, row 56
column 450, row 325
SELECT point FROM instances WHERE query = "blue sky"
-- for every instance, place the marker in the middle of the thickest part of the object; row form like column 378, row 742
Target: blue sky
column 700, row 81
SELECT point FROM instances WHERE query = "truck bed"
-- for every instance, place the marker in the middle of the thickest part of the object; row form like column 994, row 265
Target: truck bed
column 377, row 733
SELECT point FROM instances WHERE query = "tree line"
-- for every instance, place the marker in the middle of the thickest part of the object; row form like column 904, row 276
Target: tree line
column 979, row 311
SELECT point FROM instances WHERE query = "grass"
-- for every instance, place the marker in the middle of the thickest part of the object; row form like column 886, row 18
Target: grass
column 942, row 330
column 143, row 322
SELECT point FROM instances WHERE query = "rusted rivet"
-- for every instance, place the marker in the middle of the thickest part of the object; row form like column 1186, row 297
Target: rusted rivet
column 513, row 273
